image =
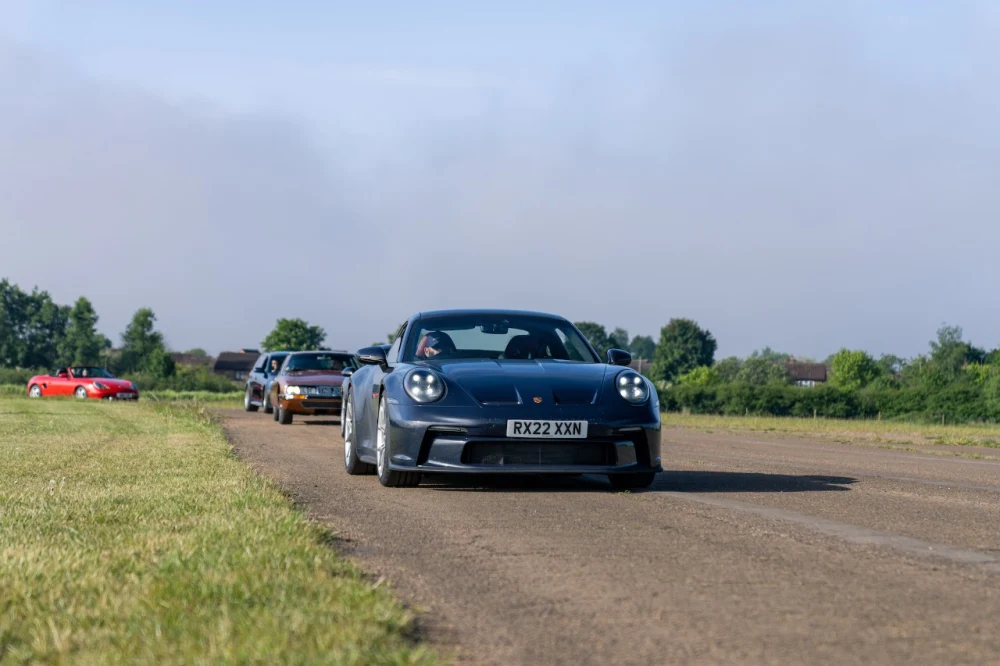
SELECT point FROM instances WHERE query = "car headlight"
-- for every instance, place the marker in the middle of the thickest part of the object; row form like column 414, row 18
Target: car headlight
column 100, row 387
column 293, row 390
column 423, row 386
column 135, row 387
column 632, row 387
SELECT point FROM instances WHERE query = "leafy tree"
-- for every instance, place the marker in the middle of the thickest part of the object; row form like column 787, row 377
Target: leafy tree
column 294, row 335
column 993, row 358
column 618, row 339
column 981, row 373
column 31, row 327
column 949, row 353
column 642, row 346
column 683, row 347
column 143, row 348
column 596, row 334
column 853, row 370
column 82, row 344
column 760, row 371
column 700, row 376
column 890, row 364
column 728, row 369
column 768, row 354
column 47, row 324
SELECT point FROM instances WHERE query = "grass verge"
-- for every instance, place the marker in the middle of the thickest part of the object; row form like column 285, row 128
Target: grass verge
column 129, row 533
column 847, row 430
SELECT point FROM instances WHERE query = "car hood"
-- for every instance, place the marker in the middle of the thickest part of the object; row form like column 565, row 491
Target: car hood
column 513, row 382
column 116, row 384
column 313, row 378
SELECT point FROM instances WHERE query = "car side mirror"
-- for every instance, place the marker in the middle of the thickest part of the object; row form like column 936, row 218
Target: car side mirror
column 347, row 372
column 372, row 356
column 619, row 357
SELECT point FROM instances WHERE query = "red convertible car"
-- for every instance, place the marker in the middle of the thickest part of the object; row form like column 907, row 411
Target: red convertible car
column 82, row 382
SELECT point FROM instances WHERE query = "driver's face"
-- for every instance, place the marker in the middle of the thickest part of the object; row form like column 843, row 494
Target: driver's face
column 431, row 352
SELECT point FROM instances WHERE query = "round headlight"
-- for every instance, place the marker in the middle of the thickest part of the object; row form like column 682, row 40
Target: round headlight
column 423, row 386
column 293, row 390
column 632, row 387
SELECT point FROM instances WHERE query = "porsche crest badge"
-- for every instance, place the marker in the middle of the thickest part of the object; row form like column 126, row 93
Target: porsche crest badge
column 537, row 399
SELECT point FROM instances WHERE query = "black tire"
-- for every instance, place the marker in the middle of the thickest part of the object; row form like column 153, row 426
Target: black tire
column 246, row 402
column 354, row 465
column 80, row 392
column 284, row 417
column 387, row 477
column 632, row 480
column 274, row 412
column 267, row 402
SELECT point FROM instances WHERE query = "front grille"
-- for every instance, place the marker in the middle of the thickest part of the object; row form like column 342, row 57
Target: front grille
column 539, row 453
column 321, row 404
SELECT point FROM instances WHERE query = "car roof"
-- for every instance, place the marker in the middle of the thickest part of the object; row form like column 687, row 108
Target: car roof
column 484, row 311
column 319, row 351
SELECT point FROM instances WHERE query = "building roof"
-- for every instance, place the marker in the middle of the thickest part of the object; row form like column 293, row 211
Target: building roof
column 190, row 359
column 235, row 361
column 799, row 371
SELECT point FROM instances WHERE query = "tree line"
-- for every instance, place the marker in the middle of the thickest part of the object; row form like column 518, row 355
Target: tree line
column 38, row 334
column 954, row 381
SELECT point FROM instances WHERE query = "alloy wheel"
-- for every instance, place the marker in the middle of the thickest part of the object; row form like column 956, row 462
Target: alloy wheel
column 348, row 429
column 380, row 445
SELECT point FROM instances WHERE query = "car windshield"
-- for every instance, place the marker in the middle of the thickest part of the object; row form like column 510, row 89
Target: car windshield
column 493, row 336
column 326, row 362
column 90, row 373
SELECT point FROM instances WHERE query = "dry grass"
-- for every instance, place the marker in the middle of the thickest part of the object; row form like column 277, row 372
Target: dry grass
column 130, row 534
column 890, row 433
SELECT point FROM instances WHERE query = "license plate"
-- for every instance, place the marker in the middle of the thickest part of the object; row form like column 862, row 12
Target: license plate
column 329, row 391
column 547, row 429
column 124, row 395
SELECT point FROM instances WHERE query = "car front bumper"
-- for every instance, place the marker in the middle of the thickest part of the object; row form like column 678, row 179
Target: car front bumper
column 311, row 406
column 111, row 394
column 474, row 440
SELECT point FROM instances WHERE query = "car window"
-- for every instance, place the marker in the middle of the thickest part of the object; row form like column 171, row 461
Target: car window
column 496, row 336
column 89, row 372
column 261, row 363
column 331, row 362
column 393, row 354
column 279, row 359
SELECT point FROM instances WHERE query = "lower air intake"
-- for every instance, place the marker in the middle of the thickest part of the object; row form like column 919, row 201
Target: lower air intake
column 532, row 453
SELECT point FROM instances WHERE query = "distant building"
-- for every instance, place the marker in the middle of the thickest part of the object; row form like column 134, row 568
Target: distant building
column 805, row 374
column 641, row 365
column 235, row 365
column 192, row 360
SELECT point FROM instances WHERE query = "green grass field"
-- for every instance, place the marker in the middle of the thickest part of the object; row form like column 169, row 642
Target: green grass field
column 129, row 533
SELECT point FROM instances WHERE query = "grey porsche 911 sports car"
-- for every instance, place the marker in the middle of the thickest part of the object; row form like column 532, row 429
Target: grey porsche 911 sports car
column 497, row 391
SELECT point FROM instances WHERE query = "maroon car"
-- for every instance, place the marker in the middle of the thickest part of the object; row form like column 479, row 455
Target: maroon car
column 310, row 384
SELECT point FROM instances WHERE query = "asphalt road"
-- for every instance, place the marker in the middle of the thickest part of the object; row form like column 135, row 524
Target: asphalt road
column 751, row 549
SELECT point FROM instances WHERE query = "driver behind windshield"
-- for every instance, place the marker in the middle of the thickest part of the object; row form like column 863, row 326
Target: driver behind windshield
column 434, row 343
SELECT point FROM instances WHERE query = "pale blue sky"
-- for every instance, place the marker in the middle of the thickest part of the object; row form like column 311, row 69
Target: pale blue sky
column 799, row 175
